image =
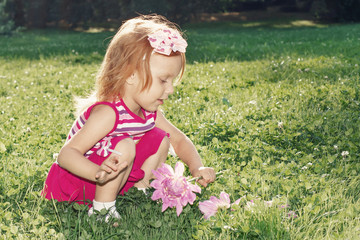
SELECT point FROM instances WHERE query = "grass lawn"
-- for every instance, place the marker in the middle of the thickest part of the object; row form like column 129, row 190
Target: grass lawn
column 274, row 105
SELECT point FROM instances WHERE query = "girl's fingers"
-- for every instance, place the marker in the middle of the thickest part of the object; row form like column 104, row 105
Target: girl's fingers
column 122, row 165
column 113, row 167
column 208, row 174
column 100, row 176
column 115, row 159
column 113, row 163
column 107, row 168
column 110, row 166
column 202, row 182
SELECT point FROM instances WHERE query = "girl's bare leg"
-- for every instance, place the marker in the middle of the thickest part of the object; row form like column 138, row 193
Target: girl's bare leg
column 153, row 162
column 108, row 192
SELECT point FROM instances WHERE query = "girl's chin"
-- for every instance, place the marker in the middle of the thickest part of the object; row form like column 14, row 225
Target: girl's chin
column 152, row 108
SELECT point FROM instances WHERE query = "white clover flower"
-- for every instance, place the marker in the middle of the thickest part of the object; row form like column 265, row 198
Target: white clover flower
column 336, row 147
column 280, row 124
column 249, row 205
column 345, row 153
column 268, row 203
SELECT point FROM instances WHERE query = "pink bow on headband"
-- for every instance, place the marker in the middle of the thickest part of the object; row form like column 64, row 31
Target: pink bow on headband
column 166, row 40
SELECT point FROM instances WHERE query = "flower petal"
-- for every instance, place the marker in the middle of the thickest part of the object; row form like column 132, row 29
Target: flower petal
column 179, row 209
column 215, row 200
column 237, row 202
column 156, row 184
column 157, row 195
column 194, row 188
column 166, row 170
column 179, row 169
column 225, row 200
column 158, row 175
column 208, row 208
column 190, row 197
column 225, row 197
column 164, row 206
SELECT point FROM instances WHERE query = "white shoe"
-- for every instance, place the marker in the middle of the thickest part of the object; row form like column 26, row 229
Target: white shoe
column 143, row 190
column 112, row 213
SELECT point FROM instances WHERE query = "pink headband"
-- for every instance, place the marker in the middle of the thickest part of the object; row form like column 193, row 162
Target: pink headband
column 166, row 40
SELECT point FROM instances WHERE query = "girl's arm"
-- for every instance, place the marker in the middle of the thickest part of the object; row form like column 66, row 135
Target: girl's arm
column 186, row 151
column 71, row 157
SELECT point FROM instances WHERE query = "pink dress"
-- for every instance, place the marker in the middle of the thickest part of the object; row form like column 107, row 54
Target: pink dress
column 65, row 186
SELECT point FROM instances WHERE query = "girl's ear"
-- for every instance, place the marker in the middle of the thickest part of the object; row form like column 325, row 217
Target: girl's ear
column 131, row 80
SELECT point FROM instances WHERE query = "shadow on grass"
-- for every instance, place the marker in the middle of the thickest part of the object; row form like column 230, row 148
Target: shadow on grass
column 82, row 47
column 208, row 41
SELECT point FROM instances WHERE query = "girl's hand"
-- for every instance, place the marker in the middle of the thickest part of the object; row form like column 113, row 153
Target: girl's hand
column 206, row 174
column 110, row 169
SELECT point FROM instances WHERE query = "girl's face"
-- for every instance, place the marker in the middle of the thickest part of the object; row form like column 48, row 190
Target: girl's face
column 164, row 69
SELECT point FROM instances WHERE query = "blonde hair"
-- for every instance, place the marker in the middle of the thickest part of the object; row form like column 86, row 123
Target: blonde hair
column 129, row 51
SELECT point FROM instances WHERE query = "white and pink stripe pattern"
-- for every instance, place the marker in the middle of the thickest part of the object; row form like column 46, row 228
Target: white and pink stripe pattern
column 128, row 124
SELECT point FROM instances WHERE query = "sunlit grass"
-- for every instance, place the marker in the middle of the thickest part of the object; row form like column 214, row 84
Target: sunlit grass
column 278, row 108
column 282, row 24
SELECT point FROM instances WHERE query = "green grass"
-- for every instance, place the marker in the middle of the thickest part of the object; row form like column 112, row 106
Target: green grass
column 275, row 105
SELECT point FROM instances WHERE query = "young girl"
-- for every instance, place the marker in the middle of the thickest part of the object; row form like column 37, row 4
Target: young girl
column 121, row 137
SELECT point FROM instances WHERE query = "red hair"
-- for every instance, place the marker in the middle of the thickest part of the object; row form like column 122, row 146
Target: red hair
column 130, row 51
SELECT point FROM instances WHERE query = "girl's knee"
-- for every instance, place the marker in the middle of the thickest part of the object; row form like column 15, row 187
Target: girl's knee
column 127, row 148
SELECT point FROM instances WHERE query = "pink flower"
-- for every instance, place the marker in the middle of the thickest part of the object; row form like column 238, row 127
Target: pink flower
column 210, row 207
column 291, row 214
column 173, row 188
column 237, row 202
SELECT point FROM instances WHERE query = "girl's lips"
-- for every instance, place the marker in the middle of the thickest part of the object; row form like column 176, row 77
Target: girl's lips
column 161, row 101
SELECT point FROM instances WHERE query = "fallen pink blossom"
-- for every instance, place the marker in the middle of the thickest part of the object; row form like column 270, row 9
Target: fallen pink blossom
column 210, row 207
column 173, row 188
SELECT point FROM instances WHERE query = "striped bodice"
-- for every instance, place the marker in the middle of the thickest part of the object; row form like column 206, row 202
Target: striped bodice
column 127, row 124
